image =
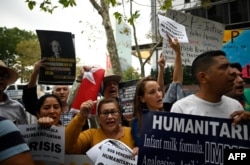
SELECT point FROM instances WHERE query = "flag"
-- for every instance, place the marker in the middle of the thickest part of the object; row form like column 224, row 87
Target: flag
column 89, row 88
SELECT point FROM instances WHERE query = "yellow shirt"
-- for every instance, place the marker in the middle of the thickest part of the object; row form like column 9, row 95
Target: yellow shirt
column 78, row 141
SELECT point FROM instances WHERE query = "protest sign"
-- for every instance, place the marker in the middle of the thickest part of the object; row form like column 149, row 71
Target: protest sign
column 172, row 28
column 173, row 138
column 46, row 144
column 203, row 35
column 126, row 96
column 111, row 152
column 236, row 44
column 58, row 50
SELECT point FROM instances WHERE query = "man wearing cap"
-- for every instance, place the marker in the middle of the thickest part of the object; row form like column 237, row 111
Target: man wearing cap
column 9, row 108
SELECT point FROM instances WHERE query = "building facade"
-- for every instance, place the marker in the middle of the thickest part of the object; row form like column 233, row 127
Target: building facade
column 235, row 14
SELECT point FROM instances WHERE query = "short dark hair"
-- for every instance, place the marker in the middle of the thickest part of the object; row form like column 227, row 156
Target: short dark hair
column 203, row 61
column 237, row 66
column 41, row 100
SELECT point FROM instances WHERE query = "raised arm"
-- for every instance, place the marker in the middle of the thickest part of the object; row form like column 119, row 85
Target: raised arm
column 74, row 142
column 178, row 71
column 175, row 90
column 34, row 75
column 160, row 77
column 29, row 97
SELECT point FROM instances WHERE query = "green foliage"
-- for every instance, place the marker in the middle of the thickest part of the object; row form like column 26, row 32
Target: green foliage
column 168, row 75
column 67, row 3
column 9, row 38
column 206, row 4
column 47, row 6
column 166, row 5
column 31, row 4
column 133, row 17
column 187, row 76
column 113, row 2
column 118, row 17
column 28, row 53
column 130, row 74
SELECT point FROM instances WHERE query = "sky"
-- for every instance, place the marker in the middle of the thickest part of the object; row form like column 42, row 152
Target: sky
column 83, row 21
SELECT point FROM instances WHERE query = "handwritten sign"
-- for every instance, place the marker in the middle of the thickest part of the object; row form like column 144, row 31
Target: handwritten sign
column 236, row 44
column 46, row 144
column 172, row 138
column 172, row 28
column 203, row 35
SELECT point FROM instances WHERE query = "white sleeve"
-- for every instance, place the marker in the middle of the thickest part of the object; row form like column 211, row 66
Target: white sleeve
column 176, row 108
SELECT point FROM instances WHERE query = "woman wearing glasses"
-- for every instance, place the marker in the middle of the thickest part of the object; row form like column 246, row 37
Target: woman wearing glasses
column 109, row 118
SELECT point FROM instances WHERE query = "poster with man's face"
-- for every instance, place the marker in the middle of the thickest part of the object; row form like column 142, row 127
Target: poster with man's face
column 58, row 53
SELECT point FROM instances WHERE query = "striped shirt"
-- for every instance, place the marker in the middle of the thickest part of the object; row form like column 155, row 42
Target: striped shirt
column 11, row 141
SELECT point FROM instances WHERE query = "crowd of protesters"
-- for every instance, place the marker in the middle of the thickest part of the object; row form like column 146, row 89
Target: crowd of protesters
column 220, row 94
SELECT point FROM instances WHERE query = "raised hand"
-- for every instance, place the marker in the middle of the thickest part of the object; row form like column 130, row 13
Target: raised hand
column 174, row 43
column 86, row 108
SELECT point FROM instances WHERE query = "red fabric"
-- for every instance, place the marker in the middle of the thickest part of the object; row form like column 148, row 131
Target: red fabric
column 89, row 88
column 246, row 71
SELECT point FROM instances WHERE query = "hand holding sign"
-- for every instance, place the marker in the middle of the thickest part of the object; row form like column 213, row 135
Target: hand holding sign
column 172, row 28
column 174, row 43
column 112, row 152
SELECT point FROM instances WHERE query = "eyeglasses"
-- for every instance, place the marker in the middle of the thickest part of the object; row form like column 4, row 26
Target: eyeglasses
column 4, row 75
column 106, row 113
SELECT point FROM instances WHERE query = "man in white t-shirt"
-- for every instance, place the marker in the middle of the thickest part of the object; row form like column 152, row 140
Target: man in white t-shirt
column 215, row 77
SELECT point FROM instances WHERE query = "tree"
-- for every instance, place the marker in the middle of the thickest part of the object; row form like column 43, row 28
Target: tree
column 163, row 5
column 103, row 10
column 9, row 38
column 28, row 53
column 130, row 74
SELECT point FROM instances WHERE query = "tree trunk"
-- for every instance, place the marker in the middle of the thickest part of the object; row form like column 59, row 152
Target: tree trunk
column 136, row 44
column 103, row 10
